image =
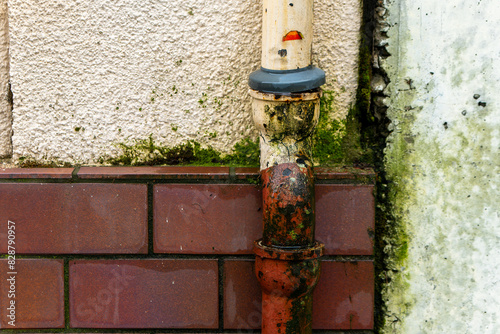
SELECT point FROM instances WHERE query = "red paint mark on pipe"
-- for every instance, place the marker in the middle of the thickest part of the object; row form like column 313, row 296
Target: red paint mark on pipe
column 293, row 35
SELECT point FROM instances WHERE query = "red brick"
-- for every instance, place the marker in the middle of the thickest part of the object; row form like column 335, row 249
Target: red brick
column 345, row 173
column 206, row 218
column 35, row 173
column 343, row 298
column 39, row 294
column 144, row 294
column 247, row 172
column 75, row 218
column 162, row 172
column 345, row 218
column 242, row 296
column 225, row 219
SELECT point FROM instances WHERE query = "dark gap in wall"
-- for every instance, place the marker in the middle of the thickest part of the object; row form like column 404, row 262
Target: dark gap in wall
column 6, row 152
column 220, row 264
column 66, row 293
column 158, row 256
column 10, row 100
column 375, row 130
column 347, row 258
column 360, row 180
column 150, row 219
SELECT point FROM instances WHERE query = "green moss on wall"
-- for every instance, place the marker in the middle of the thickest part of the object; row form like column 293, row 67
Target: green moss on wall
column 363, row 93
column 334, row 141
column 344, row 141
column 327, row 137
column 393, row 242
column 30, row 162
column 148, row 152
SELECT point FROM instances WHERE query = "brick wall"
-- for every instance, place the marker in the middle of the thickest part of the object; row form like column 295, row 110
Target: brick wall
column 169, row 248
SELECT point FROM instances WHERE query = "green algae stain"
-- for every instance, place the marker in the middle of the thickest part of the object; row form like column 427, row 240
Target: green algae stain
column 395, row 289
column 327, row 137
column 344, row 141
column 148, row 152
column 334, row 141
column 31, row 162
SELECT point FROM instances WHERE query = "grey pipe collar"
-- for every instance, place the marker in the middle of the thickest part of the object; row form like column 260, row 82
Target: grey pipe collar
column 290, row 81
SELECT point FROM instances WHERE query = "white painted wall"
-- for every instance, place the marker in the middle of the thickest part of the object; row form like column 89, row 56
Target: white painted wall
column 443, row 158
column 88, row 74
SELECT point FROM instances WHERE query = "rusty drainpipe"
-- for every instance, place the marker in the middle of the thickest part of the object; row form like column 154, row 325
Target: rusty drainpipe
column 285, row 106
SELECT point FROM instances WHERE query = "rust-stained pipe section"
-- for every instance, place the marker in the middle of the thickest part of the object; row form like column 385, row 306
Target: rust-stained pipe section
column 285, row 109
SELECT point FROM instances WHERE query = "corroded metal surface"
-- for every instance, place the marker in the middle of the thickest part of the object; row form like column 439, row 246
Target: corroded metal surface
column 287, row 258
column 287, row 262
column 286, row 294
column 288, row 193
column 313, row 252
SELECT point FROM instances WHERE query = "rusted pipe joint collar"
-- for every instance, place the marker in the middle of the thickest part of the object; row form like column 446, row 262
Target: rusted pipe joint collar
column 287, row 254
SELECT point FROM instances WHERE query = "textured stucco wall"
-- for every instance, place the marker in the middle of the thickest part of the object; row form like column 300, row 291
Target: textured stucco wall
column 5, row 98
column 89, row 74
column 443, row 162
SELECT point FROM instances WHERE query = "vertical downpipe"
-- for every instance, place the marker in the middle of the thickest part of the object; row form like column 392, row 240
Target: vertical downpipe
column 286, row 93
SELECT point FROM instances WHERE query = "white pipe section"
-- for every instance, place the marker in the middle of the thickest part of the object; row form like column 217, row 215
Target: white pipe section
column 286, row 34
column 285, row 124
